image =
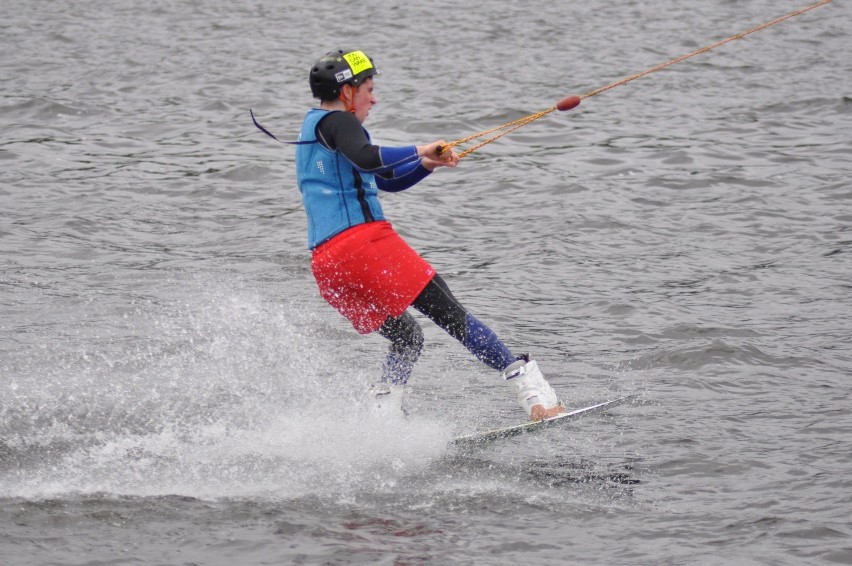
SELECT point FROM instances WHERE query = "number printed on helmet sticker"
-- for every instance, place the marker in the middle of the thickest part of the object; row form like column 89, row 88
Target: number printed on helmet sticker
column 358, row 61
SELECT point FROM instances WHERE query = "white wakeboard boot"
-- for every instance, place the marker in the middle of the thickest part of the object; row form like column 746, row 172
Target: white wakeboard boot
column 388, row 400
column 534, row 393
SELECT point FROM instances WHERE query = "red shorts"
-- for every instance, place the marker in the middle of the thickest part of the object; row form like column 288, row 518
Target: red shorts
column 369, row 273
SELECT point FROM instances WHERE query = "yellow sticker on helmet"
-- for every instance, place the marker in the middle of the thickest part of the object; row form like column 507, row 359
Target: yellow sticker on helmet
column 358, row 62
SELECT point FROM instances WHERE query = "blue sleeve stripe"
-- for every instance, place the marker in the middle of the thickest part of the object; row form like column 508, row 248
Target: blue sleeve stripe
column 396, row 156
column 404, row 177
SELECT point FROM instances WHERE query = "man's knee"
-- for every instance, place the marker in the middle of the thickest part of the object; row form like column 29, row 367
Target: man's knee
column 417, row 341
column 405, row 335
column 411, row 343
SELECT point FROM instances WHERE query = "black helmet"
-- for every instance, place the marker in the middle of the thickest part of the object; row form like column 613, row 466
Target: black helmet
column 337, row 68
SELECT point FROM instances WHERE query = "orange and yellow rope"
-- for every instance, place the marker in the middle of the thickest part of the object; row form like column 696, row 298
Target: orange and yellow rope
column 515, row 124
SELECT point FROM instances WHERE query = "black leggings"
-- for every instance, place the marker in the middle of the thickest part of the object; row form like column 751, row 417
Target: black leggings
column 437, row 302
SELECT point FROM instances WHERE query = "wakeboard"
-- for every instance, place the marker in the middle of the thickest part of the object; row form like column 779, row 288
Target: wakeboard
column 530, row 427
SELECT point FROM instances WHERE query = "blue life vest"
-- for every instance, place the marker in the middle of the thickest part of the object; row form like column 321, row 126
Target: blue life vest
column 335, row 193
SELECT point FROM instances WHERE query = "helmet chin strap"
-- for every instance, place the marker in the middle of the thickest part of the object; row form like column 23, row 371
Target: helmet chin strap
column 348, row 100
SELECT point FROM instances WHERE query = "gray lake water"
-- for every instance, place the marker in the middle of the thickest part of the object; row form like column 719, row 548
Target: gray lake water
column 174, row 391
